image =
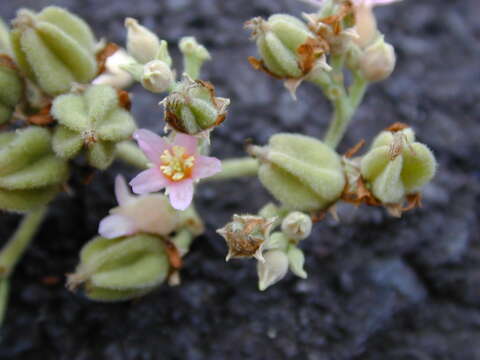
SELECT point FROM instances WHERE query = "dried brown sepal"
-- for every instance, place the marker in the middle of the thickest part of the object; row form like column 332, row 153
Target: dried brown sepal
column 354, row 150
column 259, row 65
column 7, row 62
column 335, row 20
column 361, row 195
column 318, row 216
column 174, row 257
column 102, row 56
column 413, row 201
column 309, row 52
column 398, row 126
column 124, row 99
column 42, row 117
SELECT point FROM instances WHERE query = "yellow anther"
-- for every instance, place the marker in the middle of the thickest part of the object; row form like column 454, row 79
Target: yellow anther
column 176, row 163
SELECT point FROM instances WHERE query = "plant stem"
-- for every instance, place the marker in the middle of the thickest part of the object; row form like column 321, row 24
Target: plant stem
column 342, row 115
column 20, row 240
column 4, row 293
column 130, row 153
column 357, row 90
column 235, row 168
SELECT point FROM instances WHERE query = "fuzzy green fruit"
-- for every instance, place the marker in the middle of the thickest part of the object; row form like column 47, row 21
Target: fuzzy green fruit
column 122, row 268
column 301, row 172
column 30, row 173
column 55, row 48
column 11, row 89
column 94, row 120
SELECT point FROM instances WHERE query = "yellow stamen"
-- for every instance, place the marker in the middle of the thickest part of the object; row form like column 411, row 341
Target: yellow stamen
column 176, row 163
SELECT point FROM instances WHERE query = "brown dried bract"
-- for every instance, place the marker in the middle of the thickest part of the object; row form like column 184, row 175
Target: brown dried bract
column 124, row 100
column 259, row 65
column 174, row 257
column 102, row 56
column 7, row 62
column 352, row 151
column 42, row 118
column 398, row 126
column 362, row 195
column 309, row 52
column 335, row 20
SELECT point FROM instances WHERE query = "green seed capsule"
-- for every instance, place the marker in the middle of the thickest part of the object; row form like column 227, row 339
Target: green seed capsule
column 301, row 172
column 30, row 173
column 55, row 48
column 397, row 166
column 11, row 89
column 122, row 268
column 94, row 120
column 192, row 107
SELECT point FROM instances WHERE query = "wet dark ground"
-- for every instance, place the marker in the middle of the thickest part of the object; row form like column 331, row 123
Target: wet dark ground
column 378, row 288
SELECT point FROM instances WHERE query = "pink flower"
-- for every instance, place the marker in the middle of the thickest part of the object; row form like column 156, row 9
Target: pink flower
column 369, row 3
column 175, row 166
column 149, row 213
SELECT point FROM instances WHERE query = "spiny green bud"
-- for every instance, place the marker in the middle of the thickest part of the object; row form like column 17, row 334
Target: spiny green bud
column 94, row 120
column 378, row 60
column 278, row 40
column 142, row 44
column 194, row 55
column 192, row 107
column 296, row 260
column 273, row 269
column 299, row 171
column 297, row 225
column 157, row 76
column 30, row 173
column 120, row 269
column 54, row 48
column 11, row 88
column 397, row 165
column 246, row 236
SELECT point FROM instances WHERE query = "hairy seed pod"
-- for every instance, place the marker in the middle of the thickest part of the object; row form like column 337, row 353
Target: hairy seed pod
column 94, row 120
column 192, row 107
column 11, row 88
column 30, row 173
column 5, row 45
column 397, row 165
column 122, row 268
column 54, row 48
column 299, row 171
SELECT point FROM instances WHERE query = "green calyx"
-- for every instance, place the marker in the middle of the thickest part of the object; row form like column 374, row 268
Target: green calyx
column 93, row 120
column 192, row 107
column 397, row 165
column 301, row 172
column 11, row 89
column 30, row 173
column 54, row 48
column 122, row 268
column 278, row 40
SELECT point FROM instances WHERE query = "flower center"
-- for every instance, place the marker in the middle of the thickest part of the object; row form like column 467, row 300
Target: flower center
column 176, row 163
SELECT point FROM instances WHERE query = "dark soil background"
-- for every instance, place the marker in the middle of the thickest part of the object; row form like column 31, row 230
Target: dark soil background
column 378, row 288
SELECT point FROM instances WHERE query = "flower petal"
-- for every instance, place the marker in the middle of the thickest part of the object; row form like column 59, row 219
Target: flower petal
column 151, row 144
column 148, row 181
column 186, row 141
column 114, row 226
column 122, row 192
column 181, row 194
column 206, row 166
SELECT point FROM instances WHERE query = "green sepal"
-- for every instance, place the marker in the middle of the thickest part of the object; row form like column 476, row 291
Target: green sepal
column 296, row 261
column 66, row 143
column 26, row 200
column 101, row 154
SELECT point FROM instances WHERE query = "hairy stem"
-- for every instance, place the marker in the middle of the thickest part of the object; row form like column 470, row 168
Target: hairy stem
column 131, row 154
column 18, row 243
column 235, row 168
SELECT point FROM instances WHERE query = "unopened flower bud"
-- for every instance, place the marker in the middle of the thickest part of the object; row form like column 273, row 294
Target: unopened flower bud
column 297, row 225
column 192, row 107
column 120, row 269
column 142, row 44
column 378, row 61
column 397, row 165
column 296, row 260
column 365, row 25
column 301, row 172
column 273, row 269
column 246, row 236
column 194, row 55
column 157, row 76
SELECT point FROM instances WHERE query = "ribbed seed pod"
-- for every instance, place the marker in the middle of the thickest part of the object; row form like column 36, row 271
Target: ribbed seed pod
column 94, row 120
column 193, row 107
column 301, row 172
column 55, row 48
column 278, row 40
column 11, row 88
column 397, row 166
column 30, row 173
column 122, row 268
column 5, row 46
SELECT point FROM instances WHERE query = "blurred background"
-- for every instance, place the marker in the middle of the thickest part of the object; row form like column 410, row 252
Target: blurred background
column 378, row 288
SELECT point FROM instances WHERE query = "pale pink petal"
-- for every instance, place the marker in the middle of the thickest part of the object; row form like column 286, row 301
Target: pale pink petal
column 114, row 226
column 151, row 144
column 372, row 3
column 181, row 194
column 151, row 180
column 186, row 141
column 206, row 166
column 122, row 191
